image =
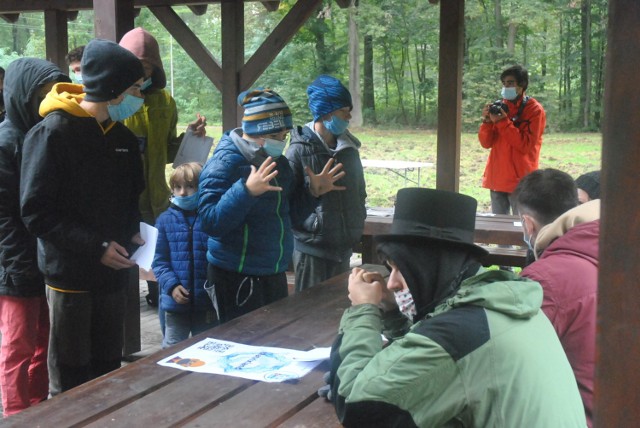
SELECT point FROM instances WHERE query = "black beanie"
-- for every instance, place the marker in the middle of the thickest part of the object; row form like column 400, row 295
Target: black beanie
column 590, row 183
column 108, row 70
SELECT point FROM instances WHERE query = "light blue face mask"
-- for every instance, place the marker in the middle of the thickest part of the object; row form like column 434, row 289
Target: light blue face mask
column 145, row 84
column 127, row 108
column 78, row 78
column 509, row 93
column 187, row 203
column 274, row 148
column 527, row 240
column 336, row 125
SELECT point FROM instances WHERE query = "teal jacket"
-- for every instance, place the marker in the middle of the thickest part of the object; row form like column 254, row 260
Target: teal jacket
column 487, row 357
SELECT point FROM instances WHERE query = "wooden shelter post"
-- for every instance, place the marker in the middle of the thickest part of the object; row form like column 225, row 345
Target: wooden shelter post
column 450, row 94
column 56, row 37
column 113, row 18
column 232, row 61
column 618, row 345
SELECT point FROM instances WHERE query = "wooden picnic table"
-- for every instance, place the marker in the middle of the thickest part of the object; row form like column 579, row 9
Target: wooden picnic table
column 491, row 229
column 144, row 393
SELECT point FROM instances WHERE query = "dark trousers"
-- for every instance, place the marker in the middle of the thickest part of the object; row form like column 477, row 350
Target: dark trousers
column 234, row 294
column 311, row 270
column 503, row 203
column 86, row 336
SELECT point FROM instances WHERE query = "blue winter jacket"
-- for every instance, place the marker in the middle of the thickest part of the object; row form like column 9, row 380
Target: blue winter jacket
column 247, row 234
column 181, row 258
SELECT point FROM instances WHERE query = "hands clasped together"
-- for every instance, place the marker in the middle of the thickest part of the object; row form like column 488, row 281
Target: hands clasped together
column 370, row 287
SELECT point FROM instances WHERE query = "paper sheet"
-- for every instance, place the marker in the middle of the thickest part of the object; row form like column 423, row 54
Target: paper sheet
column 249, row 362
column 193, row 149
column 143, row 256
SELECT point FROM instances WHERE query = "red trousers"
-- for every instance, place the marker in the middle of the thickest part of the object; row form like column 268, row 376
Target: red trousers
column 24, row 379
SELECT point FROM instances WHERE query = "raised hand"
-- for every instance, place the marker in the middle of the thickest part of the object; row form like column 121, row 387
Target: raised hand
column 324, row 182
column 198, row 126
column 259, row 179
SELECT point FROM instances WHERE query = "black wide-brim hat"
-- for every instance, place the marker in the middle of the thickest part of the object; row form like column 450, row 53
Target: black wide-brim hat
column 436, row 216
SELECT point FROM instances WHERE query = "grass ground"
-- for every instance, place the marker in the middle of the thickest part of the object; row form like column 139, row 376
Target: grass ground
column 573, row 153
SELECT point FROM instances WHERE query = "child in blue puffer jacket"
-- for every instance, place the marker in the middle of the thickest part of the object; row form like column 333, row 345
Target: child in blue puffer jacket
column 180, row 262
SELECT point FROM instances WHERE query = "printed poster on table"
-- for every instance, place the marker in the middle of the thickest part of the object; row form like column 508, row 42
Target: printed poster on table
column 250, row 362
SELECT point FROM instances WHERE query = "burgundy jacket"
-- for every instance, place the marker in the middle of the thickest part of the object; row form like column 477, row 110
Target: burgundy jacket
column 568, row 272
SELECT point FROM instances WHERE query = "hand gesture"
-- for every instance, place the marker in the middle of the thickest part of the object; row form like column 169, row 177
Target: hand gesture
column 258, row 180
column 322, row 183
column 198, row 126
column 116, row 257
column 365, row 287
column 180, row 295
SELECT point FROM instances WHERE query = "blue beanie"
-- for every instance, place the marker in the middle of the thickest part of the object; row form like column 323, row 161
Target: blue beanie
column 265, row 112
column 108, row 70
column 326, row 94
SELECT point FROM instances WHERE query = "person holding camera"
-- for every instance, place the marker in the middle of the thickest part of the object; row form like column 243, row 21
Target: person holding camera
column 512, row 129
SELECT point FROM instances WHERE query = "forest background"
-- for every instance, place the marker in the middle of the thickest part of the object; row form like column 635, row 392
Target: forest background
column 392, row 46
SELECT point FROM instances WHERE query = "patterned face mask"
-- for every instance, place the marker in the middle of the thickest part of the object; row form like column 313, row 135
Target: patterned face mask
column 405, row 303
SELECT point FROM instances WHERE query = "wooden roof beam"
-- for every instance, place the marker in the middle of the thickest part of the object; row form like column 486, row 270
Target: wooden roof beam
column 10, row 17
column 271, row 5
column 20, row 6
column 198, row 10
column 190, row 43
column 276, row 41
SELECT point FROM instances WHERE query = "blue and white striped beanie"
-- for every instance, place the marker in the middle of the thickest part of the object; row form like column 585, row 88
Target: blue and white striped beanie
column 327, row 94
column 265, row 112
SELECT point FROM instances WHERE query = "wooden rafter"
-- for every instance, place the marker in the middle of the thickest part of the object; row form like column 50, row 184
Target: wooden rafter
column 198, row 10
column 20, row 6
column 190, row 43
column 10, row 17
column 271, row 6
column 276, row 41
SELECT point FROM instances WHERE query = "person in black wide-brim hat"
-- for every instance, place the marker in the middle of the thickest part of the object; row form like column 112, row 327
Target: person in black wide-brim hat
column 431, row 243
column 480, row 351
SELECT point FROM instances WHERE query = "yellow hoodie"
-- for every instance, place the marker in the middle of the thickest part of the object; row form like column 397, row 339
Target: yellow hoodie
column 67, row 97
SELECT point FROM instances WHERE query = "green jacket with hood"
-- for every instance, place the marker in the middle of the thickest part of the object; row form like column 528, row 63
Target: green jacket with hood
column 486, row 357
column 154, row 125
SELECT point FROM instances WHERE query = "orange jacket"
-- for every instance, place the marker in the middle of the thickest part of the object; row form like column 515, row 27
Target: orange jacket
column 515, row 146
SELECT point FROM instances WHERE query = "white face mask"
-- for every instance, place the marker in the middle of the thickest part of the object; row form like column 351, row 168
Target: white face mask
column 405, row 303
column 509, row 93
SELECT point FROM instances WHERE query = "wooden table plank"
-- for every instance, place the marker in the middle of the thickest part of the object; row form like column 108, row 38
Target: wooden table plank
column 264, row 404
column 146, row 394
column 318, row 414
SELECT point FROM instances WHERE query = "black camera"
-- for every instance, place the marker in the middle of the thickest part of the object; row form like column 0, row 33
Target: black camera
column 498, row 107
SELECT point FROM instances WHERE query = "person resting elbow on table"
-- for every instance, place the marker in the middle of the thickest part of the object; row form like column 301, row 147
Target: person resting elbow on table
column 479, row 353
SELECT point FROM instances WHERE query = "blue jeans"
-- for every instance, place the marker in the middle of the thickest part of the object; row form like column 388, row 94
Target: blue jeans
column 179, row 325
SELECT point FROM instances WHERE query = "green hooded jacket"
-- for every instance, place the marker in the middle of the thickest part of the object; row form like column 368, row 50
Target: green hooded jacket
column 486, row 357
column 155, row 126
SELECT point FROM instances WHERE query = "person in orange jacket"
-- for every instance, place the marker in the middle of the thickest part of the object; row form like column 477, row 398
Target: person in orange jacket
column 512, row 129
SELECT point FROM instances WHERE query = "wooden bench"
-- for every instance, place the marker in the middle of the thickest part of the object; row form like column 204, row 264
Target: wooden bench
column 504, row 256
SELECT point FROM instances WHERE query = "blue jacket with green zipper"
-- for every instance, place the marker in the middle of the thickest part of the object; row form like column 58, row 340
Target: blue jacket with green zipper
column 247, row 234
